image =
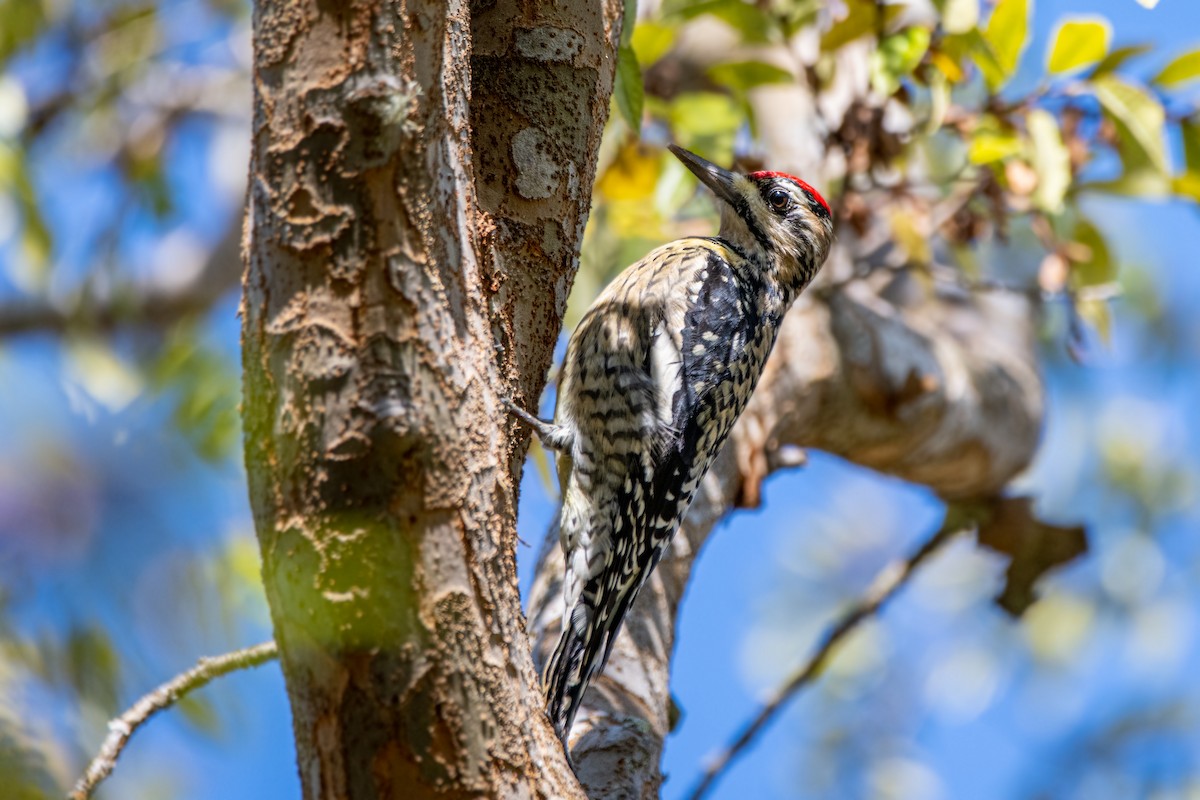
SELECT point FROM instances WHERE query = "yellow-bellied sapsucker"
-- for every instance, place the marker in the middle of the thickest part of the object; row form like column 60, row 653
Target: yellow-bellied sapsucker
column 655, row 375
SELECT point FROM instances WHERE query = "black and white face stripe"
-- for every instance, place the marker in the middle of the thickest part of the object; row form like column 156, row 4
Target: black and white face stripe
column 747, row 212
column 782, row 216
column 783, row 195
column 786, row 182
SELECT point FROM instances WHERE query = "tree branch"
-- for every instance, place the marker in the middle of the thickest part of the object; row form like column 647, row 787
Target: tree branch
column 886, row 586
column 165, row 696
column 155, row 302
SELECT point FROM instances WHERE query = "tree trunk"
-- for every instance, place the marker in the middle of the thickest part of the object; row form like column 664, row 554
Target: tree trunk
column 399, row 243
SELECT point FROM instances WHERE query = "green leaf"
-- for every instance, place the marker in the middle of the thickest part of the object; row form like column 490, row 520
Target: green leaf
column 93, row 667
column 1187, row 185
column 1007, row 33
column 795, row 15
column 1183, row 69
column 754, row 24
column 743, row 75
column 629, row 91
column 896, row 57
column 1078, row 43
column 905, row 49
column 1098, row 315
column 31, row 270
column 1139, row 182
column 1099, row 268
column 1051, row 161
column 863, row 17
column 199, row 711
column 985, row 58
column 203, row 387
column 1117, row 58
column 1140, row 120
column 993, row 145
column 705, row 114
column 23, row 21
column 28, row 760
column 651, row 41
column 1189, row 130
column 859, row 21
column 628, row 21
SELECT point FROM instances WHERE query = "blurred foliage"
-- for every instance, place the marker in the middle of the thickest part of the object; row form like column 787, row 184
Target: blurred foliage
column 998, row 150
column 123, row 556
column 22, row 763
column 205, row 391
column 122, row 162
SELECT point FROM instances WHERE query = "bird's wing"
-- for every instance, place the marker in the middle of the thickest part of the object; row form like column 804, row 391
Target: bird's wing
column 694, row 349
column 649, row 369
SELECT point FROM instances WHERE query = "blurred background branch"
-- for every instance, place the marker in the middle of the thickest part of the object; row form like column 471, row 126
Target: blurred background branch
column 159, row 300
column 165, row 696
column 887, row 583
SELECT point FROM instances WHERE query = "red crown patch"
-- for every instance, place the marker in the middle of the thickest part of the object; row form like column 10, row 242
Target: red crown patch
column 805, row 186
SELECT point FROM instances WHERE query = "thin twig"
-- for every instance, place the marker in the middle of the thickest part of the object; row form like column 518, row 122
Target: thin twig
column 165, row 696
column 887, row 583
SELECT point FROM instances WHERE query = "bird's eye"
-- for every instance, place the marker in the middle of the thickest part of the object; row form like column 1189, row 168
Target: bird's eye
column 778, row 199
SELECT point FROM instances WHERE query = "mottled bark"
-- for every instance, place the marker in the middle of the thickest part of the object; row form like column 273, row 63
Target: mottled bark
column 382, row 322
column 542, row 75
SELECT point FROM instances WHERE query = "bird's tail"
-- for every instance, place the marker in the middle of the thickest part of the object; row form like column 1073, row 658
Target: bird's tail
column 583, row 649
column 571, row 666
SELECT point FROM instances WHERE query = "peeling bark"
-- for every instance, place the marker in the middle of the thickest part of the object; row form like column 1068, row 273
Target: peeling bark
column 542, row 77
column 385, row 311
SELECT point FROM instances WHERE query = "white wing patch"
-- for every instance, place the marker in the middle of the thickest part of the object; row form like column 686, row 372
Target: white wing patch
column 666, row 365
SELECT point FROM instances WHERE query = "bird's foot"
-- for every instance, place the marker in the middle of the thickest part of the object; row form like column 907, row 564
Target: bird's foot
column 547, row 432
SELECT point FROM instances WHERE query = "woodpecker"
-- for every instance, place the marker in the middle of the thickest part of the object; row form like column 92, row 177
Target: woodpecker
column 655, row 375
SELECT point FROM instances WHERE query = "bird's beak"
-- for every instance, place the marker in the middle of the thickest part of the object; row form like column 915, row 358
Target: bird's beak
column 721, row 181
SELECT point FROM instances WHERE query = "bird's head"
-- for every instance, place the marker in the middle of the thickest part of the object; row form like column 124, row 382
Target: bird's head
column 774, row 213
